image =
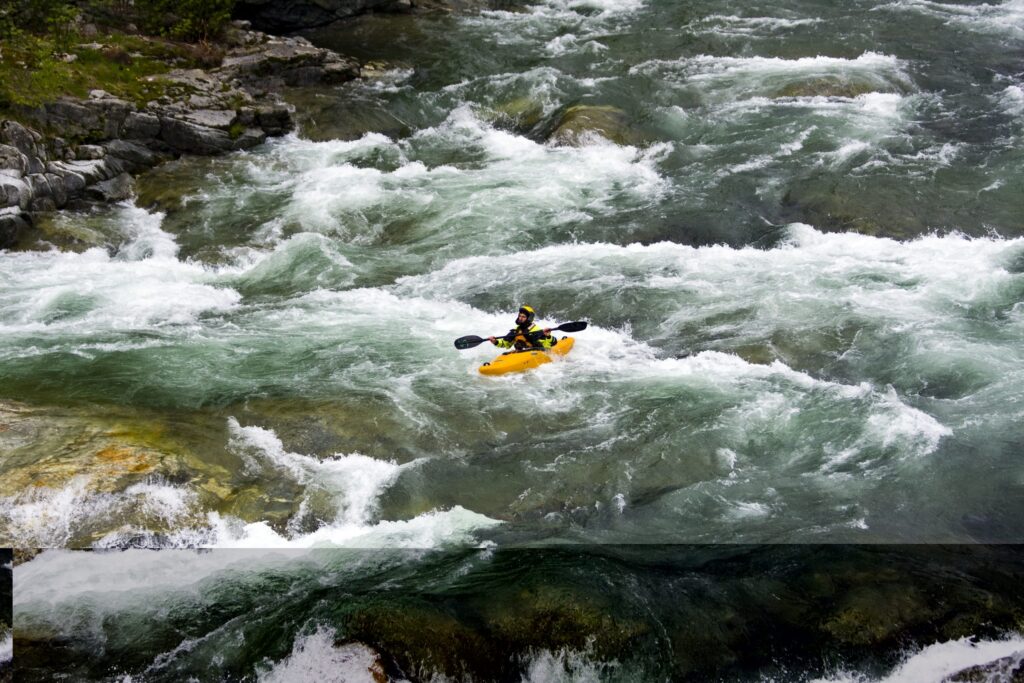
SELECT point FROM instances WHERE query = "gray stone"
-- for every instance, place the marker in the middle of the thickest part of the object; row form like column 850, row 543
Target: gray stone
column 192, row 139
column 34, row 164
column 39, row 185
column 11, row 158
column 132, row 153
column 140, row 126
column 74, row 183
column 91, row 171
column 71, row 118
column 212, row 118
column 12, row 225
column 90, row 152
column 15, row 192
column 275, row 119
column 250, row 137
column 19, row 137
column 58, row 189
column 114, row 190
column 40, row 204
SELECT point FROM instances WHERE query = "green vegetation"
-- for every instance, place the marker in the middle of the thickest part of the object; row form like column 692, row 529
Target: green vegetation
column 50, row 48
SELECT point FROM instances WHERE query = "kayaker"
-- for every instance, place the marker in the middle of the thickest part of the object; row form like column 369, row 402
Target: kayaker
column 525, row 335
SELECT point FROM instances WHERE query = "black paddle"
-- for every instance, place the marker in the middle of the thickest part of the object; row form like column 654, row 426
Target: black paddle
column 472, row 340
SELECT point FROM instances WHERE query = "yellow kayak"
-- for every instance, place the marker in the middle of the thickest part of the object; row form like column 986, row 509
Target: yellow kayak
column 519, row 361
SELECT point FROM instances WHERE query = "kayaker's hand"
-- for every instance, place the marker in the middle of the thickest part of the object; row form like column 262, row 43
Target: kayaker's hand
column 493, row 340
column 547, row 331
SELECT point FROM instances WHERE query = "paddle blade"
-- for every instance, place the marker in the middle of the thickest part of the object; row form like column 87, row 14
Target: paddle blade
column 572, row 327
column 468, row 342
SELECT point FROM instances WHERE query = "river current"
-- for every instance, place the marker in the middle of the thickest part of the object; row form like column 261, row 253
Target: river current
column 797, row 232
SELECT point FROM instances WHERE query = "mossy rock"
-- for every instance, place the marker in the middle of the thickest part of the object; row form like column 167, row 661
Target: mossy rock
column 520, row 114
column 581, row 123
column 420, row 637
column 873, row 616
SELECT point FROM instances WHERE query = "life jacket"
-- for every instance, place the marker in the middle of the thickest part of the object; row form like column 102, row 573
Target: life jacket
column 532, row 338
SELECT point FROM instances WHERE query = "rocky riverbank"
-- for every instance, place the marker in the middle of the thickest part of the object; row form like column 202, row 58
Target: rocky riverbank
column 67, row 153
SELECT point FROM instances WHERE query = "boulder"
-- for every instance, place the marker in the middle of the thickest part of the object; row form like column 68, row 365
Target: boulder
column 90, row 152
column 18, row 136
column 581, row 122
column 190, row 138
column 114, row 190
column 12, row 159
column 14, row 192
column 133, row 154
column 140, row 126
column 212, row 118
column 12, row 224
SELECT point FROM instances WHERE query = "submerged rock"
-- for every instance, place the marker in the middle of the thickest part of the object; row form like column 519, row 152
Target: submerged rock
column 580, row 123
column 1006, row 670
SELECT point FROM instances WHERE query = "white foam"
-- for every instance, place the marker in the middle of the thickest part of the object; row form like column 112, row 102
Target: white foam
column 567, row 666
column 141, row 287
column 47, row 517
column 7, row 648
column 1006, row 18
column 315, row 657
column 517, row 181
column 938, row 661
column 355, row 481
column 732, row 25
column 1012, row 100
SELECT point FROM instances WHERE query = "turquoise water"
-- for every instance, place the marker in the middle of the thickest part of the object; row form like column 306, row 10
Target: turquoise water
column 795, row 230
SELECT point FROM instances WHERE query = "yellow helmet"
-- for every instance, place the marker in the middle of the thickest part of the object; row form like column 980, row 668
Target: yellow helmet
column 529, row 312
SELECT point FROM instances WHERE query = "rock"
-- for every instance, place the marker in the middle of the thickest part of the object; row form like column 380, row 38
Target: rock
column 190, row 138
column 250, row 137
column 581, row 122
column 140, row 126
column 212, row 118
column 43, row 204
column 90, row 152
column 58, row 189
column 114, row 190
column 275, row 119
column 12, row 159
column 1005, row 670
column 98, row 94
column 14, row 192
column 132, row 153
column 12, row 224
column 17, row 136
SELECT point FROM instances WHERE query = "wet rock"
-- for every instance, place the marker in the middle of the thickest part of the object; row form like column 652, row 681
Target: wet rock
column 12, row 160
column 521, row 114
column 90, row 152
column 116, row 189
column 135, row 155
column 1006, row 670
column 140, row 126
column 14, row 192
column 190, row 138
column 580, row 123
column 13, row 223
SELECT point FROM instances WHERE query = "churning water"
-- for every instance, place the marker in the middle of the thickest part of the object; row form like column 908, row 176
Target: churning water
column 797, row 231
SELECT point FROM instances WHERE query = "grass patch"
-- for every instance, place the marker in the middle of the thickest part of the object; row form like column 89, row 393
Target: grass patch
column 34, row 70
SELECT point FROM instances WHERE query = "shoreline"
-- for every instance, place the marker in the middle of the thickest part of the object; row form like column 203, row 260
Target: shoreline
column 76, row 152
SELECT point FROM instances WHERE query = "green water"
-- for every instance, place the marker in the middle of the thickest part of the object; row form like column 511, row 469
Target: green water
column 795, row 231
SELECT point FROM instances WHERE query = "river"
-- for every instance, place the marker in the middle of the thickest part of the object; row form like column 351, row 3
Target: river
column 797, row 232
